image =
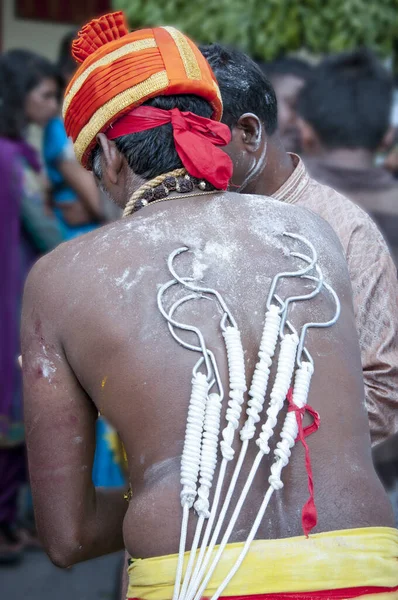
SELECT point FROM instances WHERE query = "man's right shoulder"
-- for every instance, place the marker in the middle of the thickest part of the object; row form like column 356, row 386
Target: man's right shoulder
column 68, row 262
column 346, row 218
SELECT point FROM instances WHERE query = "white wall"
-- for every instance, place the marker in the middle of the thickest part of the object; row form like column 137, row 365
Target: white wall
column 38, row 36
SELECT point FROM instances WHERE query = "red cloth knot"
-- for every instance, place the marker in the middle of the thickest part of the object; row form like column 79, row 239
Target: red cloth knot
column 309, row 515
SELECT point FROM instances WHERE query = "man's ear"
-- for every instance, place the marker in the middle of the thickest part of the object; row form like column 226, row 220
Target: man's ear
column 250, row 131
column 388, row 140
column 309, row 138
column 112, row 158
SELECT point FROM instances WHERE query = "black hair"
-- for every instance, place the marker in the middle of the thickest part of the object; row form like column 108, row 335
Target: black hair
column 288, row 65
column 244, row 88
column 66, row 63
column 152, row 152
column 348, row 101
column 20, row 72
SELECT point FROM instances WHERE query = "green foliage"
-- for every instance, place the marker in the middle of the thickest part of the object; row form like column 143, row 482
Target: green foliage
column 268, row 28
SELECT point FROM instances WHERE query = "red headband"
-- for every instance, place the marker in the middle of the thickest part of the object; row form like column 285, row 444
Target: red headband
column 195, row 140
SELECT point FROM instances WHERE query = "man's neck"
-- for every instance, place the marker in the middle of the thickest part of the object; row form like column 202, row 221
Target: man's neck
column 348, row 158
column 278, row 169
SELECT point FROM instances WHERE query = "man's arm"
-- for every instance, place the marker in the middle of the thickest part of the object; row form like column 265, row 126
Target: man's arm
column 375, row 292
column 75, row 521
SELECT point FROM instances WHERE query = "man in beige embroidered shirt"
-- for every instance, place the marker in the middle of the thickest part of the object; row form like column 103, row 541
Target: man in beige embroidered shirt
column 261, row 166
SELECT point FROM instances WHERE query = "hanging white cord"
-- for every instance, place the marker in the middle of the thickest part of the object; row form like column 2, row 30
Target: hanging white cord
column 190, row 462
column 237, row 379
column 233, row 414
column 208, row 465
column 279, row 392
column 255, row 405
column 282, row 454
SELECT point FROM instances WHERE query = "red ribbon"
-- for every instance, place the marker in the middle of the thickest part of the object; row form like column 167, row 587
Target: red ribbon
column 196, row 140
column 309, row 515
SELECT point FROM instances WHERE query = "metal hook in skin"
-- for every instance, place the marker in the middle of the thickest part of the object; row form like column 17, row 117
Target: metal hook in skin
column 298, row 273
column 197, row 366
column 312, row 294
column 196, row 288
column 294, row 331
column 183, row 326
column 318, row 325
column 196, row 348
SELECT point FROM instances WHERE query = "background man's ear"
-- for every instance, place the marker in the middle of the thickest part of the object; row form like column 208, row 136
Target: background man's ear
column 250, row 128
column 112, row 158
column 309, row 138
column 388, row 140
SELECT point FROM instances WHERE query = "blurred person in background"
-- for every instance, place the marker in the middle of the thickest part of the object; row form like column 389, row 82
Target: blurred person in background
column 75, row 196
column 262, row 166
column 28, row 95
column 345, row 112
column 391, row 158
column 288, row 76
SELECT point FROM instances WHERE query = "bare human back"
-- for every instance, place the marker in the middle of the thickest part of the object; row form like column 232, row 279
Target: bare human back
column 94, row 341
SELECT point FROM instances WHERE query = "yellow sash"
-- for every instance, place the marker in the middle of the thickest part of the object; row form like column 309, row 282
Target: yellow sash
column 324, row 561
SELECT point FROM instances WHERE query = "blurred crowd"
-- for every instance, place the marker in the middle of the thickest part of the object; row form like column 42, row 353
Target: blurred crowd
column 46, row 191
column 337, row 114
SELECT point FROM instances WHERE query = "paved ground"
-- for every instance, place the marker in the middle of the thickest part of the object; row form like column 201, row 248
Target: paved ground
column 36, row 578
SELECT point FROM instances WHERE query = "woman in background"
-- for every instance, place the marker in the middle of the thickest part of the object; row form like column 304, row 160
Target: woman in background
column 75, row 196
column 28, row 95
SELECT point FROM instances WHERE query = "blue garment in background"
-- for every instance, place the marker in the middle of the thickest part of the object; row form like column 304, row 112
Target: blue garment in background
column 107, row 471
column 57, row 147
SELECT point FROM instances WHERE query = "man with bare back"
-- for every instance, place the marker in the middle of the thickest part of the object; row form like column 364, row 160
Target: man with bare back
column 105, row 331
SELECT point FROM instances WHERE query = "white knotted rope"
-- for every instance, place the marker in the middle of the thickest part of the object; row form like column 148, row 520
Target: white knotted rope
column 261, row 374
column 279, row 392
column 190, row 462
column 257, row 393
column 208, row 460
column 208, row 464
column 289, row 431
column 282, row 454
column 237, row 389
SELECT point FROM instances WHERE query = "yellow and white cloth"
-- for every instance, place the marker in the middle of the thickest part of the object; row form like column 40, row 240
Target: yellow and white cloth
column 352, row 563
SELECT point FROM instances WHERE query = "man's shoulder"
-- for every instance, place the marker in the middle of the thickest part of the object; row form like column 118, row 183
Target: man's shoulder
column 345, row 217
column 68, row 262
column 328, row 200
column 271, row 215
column 285, row 210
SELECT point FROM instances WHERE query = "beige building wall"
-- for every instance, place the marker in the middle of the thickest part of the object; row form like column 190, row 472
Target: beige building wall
column 38, row 36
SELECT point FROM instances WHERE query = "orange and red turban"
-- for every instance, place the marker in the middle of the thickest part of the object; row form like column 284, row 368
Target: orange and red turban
column 121, row 70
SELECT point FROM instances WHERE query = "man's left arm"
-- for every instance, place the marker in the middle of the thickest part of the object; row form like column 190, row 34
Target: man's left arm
column 75, row 520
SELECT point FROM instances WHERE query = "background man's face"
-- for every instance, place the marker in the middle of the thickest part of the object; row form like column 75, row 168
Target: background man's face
column 287, row 89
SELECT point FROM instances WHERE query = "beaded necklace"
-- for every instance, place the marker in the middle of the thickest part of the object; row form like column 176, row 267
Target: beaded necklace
column 159, row 188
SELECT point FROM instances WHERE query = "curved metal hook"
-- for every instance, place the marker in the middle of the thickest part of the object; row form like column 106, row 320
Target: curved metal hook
column 312, row 294
column 318, row 325
column 298, row 273
column 196, row 288
column 290, row 327
column 280, row 301
column 197, row 367
column 196, row 348
column 294, row 330
column 183, row 326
